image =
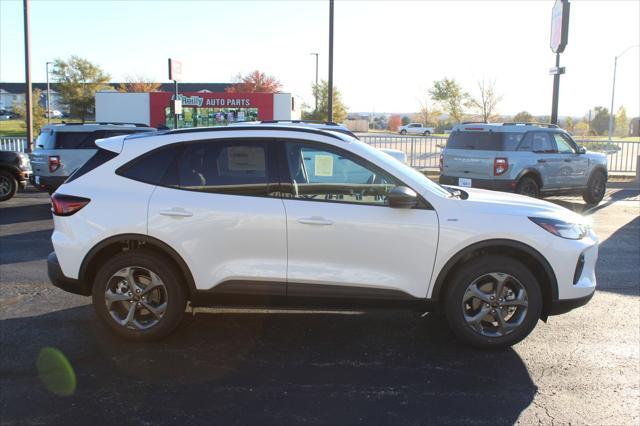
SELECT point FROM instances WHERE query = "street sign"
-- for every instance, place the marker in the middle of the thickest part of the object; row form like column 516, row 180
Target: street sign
column 176, row 106
column 557, row 70
column 175, row 70
column 559, row 26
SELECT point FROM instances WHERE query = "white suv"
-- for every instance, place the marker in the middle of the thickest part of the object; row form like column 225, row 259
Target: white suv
column 287, row 216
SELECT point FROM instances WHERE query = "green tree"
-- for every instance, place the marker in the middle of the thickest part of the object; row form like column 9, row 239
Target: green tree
column 405, row 120
column 600, row 120
column 78, row 80
column 523, row 117
column 321, row 90
column 622, row 122
column 38, row 112
column 448, row 93
column 569, row 124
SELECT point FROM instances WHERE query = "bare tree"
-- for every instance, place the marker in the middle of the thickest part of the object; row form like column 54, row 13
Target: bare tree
column 137, row 83
column 486, row 103
column 427, row 114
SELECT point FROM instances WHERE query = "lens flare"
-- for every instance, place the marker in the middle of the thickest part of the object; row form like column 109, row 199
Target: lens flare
column 56, row 372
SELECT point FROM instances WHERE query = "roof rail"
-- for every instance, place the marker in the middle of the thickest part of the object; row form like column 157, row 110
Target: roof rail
column 527, row 123
column 104, row 123
column 323, row 132
column 328, row 123
column 474, row 122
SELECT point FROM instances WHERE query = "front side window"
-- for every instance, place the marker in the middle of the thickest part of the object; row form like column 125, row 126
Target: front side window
column 541, row 143
column 564, row 146
column 226, row 167
column 324, row 174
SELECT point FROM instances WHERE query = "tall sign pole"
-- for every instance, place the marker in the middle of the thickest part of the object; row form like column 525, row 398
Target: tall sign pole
column 559, row 39
column 316, row 86
column 330, row 94
column 27, row 73
column 48, row 95
column 175, row 74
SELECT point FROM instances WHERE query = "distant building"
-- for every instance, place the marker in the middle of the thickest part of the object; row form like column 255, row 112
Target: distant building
column 634, row 127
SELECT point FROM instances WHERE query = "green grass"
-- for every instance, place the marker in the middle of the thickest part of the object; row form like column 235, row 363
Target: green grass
column 14, row 128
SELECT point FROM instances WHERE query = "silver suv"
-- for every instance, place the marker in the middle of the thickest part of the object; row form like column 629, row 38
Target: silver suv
column 60, row 149
column 527, row 158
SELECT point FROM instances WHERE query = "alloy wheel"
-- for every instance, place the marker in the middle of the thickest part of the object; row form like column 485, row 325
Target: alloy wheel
column 136, row 298
column 5, row 186
column 495, row 304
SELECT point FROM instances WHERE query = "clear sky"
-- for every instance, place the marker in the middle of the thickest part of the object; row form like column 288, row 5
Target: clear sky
column 387, row 53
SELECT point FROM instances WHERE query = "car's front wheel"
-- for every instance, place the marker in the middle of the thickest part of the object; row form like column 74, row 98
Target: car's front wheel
column 403, row 132
column 8, row 186
column 138, row 295
column 596, row 188
column 493, row 302
column 427, row 133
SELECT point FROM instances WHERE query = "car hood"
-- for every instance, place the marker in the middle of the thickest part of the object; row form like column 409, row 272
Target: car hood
column 504, row 203
column 597, row 157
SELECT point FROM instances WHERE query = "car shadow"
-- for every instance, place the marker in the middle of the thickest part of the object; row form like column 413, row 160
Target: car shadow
column 621, row 255
column 26, row 213
column 264, row 367
column 25, row 247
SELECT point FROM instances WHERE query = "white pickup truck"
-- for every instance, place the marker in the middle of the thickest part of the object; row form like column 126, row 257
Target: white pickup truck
column 416, row 129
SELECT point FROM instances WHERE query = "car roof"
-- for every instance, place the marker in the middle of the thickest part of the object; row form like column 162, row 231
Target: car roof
column 89, row 127
column 506, row 127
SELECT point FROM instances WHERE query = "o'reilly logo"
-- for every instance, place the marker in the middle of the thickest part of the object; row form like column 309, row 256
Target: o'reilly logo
column 189, row 100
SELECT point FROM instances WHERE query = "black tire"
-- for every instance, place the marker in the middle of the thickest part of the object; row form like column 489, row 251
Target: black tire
column 529, row 187
column 8, row 185
column 596, row 188
column 427, row 133
column 175, row 293
column 466, row 275
column 403, row 132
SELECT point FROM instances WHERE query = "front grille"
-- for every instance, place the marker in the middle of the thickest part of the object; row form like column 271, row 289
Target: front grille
column 579, row 268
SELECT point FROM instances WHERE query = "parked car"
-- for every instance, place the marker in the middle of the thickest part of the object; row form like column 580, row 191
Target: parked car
column 62, row 148
column 282, row 215
column 416, row 129
column 526, row 158
column 15, row 170
column 8, row 115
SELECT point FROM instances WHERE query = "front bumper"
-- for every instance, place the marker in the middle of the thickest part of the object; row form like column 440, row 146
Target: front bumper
column 58, row 279
column 559, row 307
column 505, row 185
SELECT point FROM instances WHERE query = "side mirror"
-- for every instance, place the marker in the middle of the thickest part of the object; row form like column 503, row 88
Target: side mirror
column 582, row 150
column 402, row 197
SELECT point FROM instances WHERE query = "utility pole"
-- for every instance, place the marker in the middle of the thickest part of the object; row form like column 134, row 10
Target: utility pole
column 27, row 73
column 315, row 91
column 48, row 95
column 330, row 94
column 613, row 89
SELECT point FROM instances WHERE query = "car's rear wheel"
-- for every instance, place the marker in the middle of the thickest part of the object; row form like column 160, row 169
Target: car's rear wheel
column 138, row 295
column 403, row 132
column 493, row 302
column 528, row 186
column 427, row 133
column 8, row 186
column 596, row 188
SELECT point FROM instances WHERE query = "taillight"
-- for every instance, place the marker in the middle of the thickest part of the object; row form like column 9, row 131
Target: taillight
column 500, row 166
column 441, row 162
column 66, row 205
column 54, row 163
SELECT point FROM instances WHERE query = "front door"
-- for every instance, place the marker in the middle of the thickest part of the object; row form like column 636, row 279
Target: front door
column 576, row 164
column 343, row 238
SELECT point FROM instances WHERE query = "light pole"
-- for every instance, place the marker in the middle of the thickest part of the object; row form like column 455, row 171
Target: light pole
column 613, row 89
column 315, row 90
column 48, row 95
column 330, row 94
column 27, row 77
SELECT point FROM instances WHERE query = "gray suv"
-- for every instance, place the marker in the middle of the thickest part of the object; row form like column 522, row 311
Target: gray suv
column 526, row 158
column 60, row 149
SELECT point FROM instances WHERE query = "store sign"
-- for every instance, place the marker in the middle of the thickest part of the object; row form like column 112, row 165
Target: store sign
column 175, row 70
column 559, row 26
column 199, row 101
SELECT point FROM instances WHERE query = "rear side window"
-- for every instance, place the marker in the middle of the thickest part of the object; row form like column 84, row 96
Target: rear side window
column 485, row 141
column 233, row 167
column 151, row 167
column 76, row 140
column 98, row 159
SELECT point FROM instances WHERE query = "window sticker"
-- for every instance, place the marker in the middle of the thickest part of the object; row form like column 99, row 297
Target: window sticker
column 323, row 165
column 246, row 158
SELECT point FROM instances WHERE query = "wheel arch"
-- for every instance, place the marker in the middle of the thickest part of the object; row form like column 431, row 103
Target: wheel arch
column 598, row 168
column 536, row 263
column 122, row 242
column 11, row 170
column 530, row 172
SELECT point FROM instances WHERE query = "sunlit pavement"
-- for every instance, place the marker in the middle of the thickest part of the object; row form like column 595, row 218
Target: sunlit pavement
column 246, row 366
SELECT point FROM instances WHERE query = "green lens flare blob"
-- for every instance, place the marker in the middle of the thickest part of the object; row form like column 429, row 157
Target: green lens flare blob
column 56, row 372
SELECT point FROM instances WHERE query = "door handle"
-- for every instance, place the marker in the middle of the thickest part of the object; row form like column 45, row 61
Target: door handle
column 176, row 213
column 542, row 161
column 567, row 160
column 315, row 220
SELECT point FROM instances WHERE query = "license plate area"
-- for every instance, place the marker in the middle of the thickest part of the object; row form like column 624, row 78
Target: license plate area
column 464, row 182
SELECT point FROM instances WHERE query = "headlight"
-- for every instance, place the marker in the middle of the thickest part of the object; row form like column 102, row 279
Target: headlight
column 560, row 228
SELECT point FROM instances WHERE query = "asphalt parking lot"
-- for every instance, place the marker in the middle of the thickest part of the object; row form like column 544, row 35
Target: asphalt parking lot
column 269, row 367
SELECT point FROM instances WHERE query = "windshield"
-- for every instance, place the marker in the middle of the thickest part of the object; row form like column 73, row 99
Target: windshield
column 416, row 175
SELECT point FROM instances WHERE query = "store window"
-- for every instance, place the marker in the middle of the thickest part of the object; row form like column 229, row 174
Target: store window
column 208, row 117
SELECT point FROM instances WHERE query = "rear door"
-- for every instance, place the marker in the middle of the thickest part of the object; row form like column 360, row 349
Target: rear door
column 553, row 169
column 219, row 208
